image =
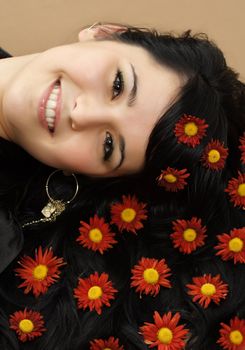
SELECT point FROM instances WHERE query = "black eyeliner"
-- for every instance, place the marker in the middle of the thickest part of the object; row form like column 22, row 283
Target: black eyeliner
column 119, row 75
column 107, row 155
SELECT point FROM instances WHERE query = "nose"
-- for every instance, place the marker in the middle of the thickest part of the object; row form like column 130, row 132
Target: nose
column 89, row 112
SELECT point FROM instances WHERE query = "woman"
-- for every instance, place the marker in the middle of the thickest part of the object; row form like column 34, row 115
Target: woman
column 150, row 254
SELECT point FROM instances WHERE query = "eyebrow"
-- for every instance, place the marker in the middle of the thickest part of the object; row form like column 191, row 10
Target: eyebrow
column 122, row 151
column 133, row 92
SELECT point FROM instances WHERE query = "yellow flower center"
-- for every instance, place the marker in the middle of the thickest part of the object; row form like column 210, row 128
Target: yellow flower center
column 151, row 276
column 170, row 178
column 241, row 190
column 26, row 326
column 128, row 214
column 165, row 335
column 40, row 272
column 213, row 156
column 94, row 293
column 95, row 235
column 107, row 349
column 236, row 245
column 189, row 235
column 191, row 129
column 236, row 337
column 208, row 289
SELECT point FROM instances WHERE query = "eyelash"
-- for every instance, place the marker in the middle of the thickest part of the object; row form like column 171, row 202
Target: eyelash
column 108, row 146
column 118, row 84
column 117, row 89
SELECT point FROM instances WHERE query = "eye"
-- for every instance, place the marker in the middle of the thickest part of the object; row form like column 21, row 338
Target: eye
column 118, row 85
column 108, row 146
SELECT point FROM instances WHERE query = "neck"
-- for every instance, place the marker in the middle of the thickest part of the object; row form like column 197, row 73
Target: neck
column 9, row 68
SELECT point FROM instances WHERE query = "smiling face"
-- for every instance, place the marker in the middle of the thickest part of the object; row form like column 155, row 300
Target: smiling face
column 89, row 107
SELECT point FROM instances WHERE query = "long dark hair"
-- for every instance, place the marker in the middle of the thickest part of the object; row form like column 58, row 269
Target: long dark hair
column 213, row 93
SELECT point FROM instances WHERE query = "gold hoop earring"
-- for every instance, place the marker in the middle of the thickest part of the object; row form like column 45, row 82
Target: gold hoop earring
column 54, row 207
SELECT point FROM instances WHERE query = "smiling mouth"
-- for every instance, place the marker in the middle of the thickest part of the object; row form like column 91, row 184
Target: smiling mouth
column 51, row 107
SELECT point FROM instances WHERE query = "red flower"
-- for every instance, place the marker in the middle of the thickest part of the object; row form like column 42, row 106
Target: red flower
column 214, row 155
column 190, row 130
column 172, row 179
column 164, row 333
column 96, row 235
column 188, row 235
column 128, row 214
column 109, row 344
column 232, row 246
column 236, row 190
column 149, row 275
column 242, row 147
column 39, row 273
column 27, row 324
column 232, row 337
column 94, row 292
column 206, row 289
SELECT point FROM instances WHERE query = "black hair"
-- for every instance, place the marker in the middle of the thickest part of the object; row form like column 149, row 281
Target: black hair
column 211, row 92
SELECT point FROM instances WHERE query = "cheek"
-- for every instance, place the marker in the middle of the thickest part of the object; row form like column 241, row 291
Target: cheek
column 74, row 156
column 63, row 155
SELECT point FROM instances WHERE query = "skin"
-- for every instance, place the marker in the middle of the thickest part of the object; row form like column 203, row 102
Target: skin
column 91, row 109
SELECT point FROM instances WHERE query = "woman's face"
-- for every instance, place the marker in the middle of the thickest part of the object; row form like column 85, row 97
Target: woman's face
column 89, row 107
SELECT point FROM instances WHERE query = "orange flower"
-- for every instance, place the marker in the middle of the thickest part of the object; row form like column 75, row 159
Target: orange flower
column 109, row 344
column 164, row 333
column 242, row 147
column 232, row 336
column 149, row 275
column 27, row 324
column 39, row 273
column 232, row 246
column 94, row 292
column 96, row 235
column 188, row 235
column 236, row 190
column 172, row 179
column 206, row 289
column 214, row 155
column 128, row 214
column 190, row 130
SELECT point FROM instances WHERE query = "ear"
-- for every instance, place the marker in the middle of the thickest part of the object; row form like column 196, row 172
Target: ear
column 100, row 31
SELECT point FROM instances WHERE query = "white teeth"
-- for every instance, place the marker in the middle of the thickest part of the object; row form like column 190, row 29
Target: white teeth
column 50, row 121
column 51, row 104
column 49, row 112
column 53, row 97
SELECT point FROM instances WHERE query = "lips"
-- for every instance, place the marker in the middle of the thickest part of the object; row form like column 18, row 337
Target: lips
column 49, row 107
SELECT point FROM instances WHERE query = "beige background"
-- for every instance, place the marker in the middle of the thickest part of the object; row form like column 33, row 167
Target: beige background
column 32, row 25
